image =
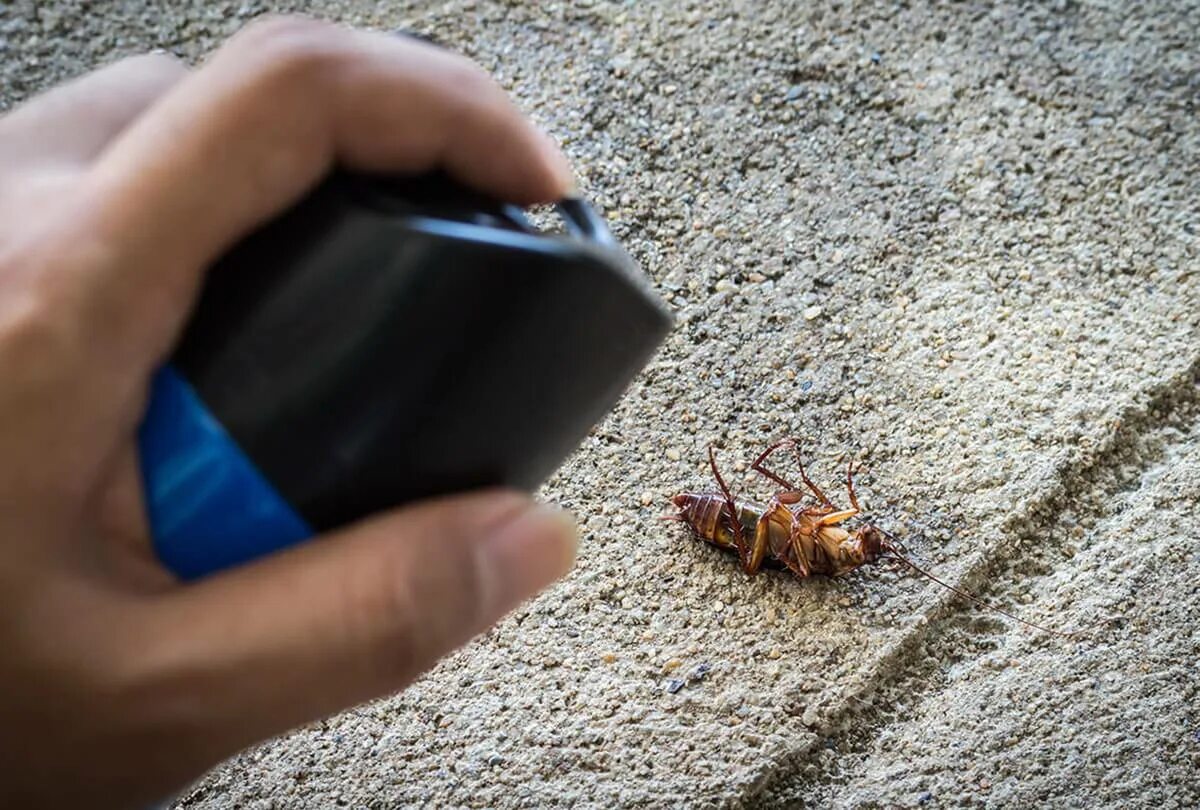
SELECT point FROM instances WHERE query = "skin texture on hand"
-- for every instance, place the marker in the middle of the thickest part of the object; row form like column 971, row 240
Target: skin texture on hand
column 118, row 684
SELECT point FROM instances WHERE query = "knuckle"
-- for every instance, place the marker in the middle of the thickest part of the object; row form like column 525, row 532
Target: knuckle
column 43, row 304
column 33, row 341
column 289, row 45
column 273, row 26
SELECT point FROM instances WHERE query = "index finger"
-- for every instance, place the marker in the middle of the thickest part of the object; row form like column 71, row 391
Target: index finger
column 246, row 135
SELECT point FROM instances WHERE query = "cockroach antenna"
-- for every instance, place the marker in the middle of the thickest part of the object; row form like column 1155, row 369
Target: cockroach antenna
column 893, row 545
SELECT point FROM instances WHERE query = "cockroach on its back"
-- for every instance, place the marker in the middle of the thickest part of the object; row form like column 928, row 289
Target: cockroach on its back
column 806, row 540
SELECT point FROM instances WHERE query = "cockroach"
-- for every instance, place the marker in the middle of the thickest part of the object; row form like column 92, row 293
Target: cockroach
column 807, row 539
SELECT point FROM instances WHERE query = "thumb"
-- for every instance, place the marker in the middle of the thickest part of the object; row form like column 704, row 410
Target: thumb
column 355, row 614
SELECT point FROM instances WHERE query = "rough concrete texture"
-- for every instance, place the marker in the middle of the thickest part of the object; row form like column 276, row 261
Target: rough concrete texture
column 956, row 241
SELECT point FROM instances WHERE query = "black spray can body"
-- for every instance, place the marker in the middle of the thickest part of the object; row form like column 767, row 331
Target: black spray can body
column 384, row 341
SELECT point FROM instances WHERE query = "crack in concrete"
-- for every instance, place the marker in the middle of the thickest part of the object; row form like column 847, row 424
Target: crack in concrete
column 1169, row 401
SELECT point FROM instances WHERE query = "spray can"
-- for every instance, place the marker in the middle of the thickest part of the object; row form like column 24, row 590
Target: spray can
column 385, row 340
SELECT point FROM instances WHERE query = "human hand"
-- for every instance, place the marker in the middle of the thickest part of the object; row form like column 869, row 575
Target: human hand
column 118, row 683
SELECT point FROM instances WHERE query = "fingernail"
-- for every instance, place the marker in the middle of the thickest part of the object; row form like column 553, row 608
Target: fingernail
column 528, row 553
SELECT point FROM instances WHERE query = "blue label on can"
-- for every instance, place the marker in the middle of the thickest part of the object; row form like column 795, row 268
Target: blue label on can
column 209, row 505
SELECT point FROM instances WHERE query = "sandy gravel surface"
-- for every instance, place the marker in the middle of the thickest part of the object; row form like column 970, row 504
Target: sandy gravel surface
column 956, row 241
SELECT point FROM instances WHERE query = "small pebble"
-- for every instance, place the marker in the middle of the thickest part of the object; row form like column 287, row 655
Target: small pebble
column 813, row 312
column 608, row 658
column 671, row 665
column 647, row 498
column 774, row 653
column 674, row 685
column 673, row 454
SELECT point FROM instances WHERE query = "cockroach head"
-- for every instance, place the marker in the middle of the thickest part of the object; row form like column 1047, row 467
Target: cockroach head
column 873, row 542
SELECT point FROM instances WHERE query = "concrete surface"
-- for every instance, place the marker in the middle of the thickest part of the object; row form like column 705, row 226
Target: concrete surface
column 957, row 241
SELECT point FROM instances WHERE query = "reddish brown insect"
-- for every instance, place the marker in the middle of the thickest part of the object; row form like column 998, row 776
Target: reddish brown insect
column 806, row 540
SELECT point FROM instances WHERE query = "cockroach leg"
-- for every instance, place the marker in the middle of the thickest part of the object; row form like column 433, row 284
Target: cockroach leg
column 834, row 518
column 735, row 522
column 800, row 568
column 850, row 471
column 841, row 516
column 821, row 496
column 760, row 467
